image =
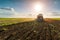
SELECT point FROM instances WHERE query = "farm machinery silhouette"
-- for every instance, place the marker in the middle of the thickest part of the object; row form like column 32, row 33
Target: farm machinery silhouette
column 40, row 18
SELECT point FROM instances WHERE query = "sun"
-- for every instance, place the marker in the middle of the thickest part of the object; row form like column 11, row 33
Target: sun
column 38, row 7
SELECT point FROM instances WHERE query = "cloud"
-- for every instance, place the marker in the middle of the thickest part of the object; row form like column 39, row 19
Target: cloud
column 50, row 14
column 56, row 13
column 7, row 12
column 10, row 13
column 10, row 9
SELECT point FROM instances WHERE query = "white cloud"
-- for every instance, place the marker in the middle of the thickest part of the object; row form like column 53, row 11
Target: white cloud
column 11, row 13
column 52, row 15
column 7, row 12
column 56, row 13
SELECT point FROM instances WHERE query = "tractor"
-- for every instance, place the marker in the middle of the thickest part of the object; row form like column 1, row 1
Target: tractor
column 40, row 18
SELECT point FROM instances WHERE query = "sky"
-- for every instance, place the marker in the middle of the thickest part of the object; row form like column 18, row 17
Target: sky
column 25, row 8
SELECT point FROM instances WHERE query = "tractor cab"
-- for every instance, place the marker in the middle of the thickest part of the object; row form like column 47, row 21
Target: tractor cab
column 40, row 18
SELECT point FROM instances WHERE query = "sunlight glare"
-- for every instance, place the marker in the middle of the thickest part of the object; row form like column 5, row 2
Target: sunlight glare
column 38, row 7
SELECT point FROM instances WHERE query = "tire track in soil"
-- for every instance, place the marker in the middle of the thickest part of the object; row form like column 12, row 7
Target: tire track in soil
column 29, row 32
